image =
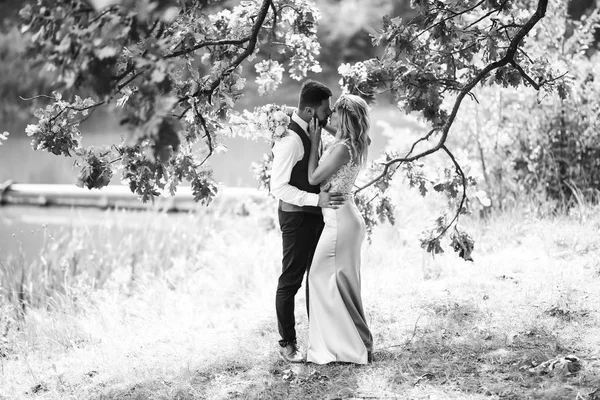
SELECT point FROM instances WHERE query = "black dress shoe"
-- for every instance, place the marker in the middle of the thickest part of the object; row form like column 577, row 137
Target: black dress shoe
column 291, row 353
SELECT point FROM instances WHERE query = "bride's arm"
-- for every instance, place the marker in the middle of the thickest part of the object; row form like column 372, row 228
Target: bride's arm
column 332, row 162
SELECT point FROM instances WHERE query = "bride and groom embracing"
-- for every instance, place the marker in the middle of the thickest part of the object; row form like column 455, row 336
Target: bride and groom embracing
column 322, row 229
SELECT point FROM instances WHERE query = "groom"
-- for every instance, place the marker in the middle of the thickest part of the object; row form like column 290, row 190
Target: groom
column 300, row 206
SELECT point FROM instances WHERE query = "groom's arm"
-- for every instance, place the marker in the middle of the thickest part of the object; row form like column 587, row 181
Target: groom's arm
column 287, row 151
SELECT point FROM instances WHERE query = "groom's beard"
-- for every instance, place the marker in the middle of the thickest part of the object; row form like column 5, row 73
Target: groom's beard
column 323, row 123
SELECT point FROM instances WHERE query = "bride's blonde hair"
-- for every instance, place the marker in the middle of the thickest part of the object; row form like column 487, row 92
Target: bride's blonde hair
column 353, row 115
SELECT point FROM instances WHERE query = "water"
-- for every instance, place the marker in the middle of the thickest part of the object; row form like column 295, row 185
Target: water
column 19, row 163
column 22, row 229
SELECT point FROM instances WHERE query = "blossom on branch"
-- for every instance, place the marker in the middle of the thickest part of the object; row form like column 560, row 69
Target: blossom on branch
column 269, row 77
column 3, row 136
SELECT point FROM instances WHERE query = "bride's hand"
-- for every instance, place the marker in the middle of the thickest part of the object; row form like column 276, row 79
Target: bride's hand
column 314, row 130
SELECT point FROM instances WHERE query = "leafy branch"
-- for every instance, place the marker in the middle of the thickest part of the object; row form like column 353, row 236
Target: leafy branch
column 454, row 15
column 486, row 15
column 206, row 135
column 223, row 42
column 508, row 58
column 464, row 191
column 260, row 19
column 389, row 164
column 525, row 75
column 74, row 108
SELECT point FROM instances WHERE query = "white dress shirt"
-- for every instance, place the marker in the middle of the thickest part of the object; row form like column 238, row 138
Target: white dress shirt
column 287, row 151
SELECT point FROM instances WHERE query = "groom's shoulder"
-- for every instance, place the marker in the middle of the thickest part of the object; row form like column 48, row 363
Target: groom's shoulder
column 289, row 136
column 288, row 142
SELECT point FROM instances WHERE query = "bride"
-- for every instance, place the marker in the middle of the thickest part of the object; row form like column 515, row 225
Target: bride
column 338, row 330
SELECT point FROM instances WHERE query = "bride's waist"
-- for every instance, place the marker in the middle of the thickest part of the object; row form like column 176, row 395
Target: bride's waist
column 348, row 197
column 348, row 209
column 346, row 193
column 348, row 203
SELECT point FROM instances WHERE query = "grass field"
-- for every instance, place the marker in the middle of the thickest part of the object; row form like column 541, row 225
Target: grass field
column 185, row 310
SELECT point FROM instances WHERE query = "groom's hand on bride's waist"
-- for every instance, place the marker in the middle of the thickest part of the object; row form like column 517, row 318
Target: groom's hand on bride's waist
column 329, row 199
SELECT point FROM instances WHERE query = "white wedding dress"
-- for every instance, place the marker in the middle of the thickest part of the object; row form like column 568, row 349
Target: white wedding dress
column 338, row 330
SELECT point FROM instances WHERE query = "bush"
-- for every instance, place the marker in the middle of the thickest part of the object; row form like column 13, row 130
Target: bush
column 531, row 142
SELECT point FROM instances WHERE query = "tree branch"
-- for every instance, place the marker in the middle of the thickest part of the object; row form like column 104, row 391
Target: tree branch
column 426, row 137
column 387, row 165
column 450, row 53
column 554, row 79
column 485, row 16
column 206, row 135
column 448, row 18
column 188, row 108
column 76, row 109
column 37, row 97
column 127, row 71
column 525, row 54
column 262, row 15
column 464, row 193
column 209, row 43
column 524, row 75
column 103, row 13
column 127, row 82
column 508, row 57
column 274, row 19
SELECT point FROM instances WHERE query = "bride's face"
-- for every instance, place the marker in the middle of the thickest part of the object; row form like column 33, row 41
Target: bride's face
column 334, row 120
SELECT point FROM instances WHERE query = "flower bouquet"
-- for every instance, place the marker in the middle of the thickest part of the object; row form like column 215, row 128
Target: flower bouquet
column 268, row 122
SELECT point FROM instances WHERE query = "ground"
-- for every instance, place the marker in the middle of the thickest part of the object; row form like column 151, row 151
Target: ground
column 184, row 309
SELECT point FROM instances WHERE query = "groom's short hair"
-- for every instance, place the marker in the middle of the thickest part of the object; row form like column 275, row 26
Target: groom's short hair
column 313, row 93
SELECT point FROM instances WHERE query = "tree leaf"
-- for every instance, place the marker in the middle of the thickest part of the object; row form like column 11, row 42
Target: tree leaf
column 106, row 52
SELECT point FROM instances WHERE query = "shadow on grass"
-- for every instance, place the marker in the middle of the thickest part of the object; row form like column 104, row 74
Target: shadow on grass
column 449, row 358
column 235, row 380
column 213, row 381
column 529, row 365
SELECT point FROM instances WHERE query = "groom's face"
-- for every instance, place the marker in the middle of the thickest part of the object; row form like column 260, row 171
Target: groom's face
column 323, row 112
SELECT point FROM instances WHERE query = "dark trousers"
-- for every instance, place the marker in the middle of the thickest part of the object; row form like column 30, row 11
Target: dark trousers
column 300, row 233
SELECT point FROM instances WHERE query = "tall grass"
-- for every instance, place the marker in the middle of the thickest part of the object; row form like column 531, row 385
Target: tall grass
column 185, row 310
column 96, row 257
